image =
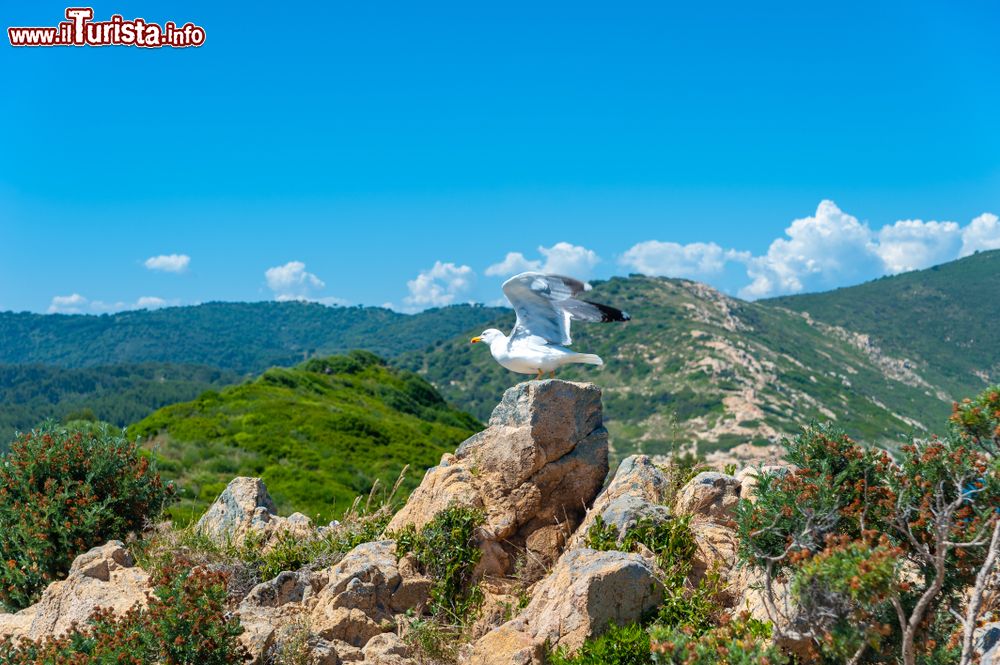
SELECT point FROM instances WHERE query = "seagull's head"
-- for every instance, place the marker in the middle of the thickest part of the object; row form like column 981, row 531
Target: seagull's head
column 487, row 336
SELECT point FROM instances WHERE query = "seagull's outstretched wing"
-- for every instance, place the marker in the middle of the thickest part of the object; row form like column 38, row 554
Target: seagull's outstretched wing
column 545, row 304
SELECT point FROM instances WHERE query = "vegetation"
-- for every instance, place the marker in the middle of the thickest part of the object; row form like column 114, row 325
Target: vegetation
column 446, row 550
column 186, row 622
column 620, row 645
column 940, row 318
column 688, row 352
column 743, row 641
column 118, row 394
column 693, row 609
column 63, row 491
column 318, row 434
column 879, row 552
column 242, row 337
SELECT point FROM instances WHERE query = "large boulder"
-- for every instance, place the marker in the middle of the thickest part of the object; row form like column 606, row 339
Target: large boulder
column 586, row 591
column 245, row 507
column 533, row 471
column 710, row 495
column 366, row 589
column 104, row 577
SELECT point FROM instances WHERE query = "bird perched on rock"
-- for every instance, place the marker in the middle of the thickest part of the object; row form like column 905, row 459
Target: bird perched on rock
column 545, row 305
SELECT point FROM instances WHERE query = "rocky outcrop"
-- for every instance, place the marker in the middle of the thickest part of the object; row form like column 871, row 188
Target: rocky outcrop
column 104, row 577
column 245, row 507
column 533, row 471
column 639, row 490
column 365, row 591
column 585, row 592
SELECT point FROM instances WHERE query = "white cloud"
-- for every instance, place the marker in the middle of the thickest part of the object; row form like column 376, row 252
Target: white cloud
column 829, row 249
column 292, row 282
column 696, row 260
column 912, row 244
column 77, row 304
column 168, row 262
column 73, row 304
column 439, row 286
column 512, row 264
column 572, row 260
column 150, row 302
column 981, row 234
column 562, row 258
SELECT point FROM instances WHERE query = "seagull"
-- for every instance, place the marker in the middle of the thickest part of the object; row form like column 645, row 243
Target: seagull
column 545, row 305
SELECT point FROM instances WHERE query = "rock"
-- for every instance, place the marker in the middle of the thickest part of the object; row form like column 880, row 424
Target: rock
column 16, row 624
column 748, row 478
column 638, row 491
column 365, row 590
column 105, row 577
column 245, row 507
column 709, row 495
column 507, row 646
column 287, row 587
column 536, row 467
column 585, row 592
column 387, row 649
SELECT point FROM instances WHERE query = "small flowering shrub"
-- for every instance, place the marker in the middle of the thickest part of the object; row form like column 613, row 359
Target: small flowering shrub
column 978, row 420
column 741, row 641
column 63, row 491
column 879, row 552
column 186, row 623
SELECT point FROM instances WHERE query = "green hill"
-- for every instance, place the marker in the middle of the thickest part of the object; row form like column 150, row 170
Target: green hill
column 941, row 320
column 119, row 394
column 243, row 337
column 319, row 434
column 696, row 367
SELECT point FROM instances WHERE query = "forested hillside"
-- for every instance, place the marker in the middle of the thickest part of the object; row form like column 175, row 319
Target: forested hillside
column 319, row 434
column 943, row 319
column 118, row 394
column 244, row 337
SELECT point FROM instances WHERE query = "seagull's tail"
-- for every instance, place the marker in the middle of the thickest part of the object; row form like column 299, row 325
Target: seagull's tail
column 588, row 358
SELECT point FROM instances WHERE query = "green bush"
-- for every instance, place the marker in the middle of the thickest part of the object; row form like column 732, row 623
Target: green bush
column 978, row 420
column 63, row 491
column 186, row 623
column 446, row 549
column 879, row 552
column 620, row 645
column 742, row 641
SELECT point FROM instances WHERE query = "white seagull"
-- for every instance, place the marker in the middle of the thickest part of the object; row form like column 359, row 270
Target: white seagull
column 545, row 305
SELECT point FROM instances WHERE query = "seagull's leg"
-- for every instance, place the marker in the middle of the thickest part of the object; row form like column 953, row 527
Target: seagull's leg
column 540, row 374
column 552, row 374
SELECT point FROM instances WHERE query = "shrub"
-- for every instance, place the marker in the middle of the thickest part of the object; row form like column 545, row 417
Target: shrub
column 446, row 549
column 978, row 420
column 742, row 641
column 674, row 548
column 63, row 491
column 879, row 553
column 186, row 623
column 620, row 645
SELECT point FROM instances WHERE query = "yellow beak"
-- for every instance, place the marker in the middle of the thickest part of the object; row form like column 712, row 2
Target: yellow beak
column 475, row 340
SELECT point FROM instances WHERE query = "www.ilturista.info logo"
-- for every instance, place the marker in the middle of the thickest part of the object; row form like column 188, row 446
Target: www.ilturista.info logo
column 81, row 30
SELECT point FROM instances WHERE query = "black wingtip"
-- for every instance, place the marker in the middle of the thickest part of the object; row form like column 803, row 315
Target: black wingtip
column 610, row 314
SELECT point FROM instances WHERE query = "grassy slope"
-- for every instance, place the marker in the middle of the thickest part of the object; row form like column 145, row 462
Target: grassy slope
column 119, row 394
column 694, row 365
column 319, row 434
column 942, row 319
column 244, row 337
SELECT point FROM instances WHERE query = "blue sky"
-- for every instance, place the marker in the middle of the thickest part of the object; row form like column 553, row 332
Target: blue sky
column 398, row 152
